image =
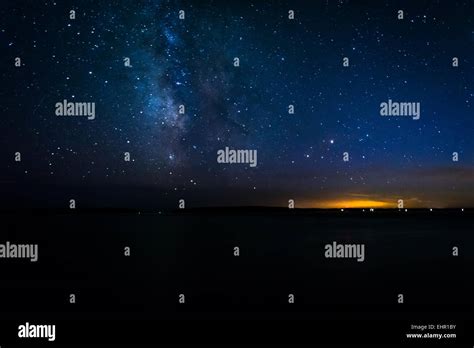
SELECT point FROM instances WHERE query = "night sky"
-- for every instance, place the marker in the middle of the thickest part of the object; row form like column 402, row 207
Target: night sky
column 283, row 62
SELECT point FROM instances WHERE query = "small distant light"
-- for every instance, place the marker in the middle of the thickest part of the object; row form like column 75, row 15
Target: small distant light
column 431, row 209
column 342, row 209
column 462, row 209
column 406, row 210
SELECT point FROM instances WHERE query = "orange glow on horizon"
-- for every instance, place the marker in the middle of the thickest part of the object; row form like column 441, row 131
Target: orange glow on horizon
column 355, row 203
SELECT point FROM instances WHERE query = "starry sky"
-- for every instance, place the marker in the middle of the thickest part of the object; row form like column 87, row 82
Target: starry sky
column 283, row 62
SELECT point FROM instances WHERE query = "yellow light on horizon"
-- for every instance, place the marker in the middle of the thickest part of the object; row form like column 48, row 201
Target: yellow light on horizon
column 356, row 203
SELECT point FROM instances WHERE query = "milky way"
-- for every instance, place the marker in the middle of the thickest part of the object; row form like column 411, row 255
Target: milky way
column 190, row 62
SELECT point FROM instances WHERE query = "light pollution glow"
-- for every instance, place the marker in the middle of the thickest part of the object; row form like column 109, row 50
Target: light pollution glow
column 354, row 203
column 367, row 201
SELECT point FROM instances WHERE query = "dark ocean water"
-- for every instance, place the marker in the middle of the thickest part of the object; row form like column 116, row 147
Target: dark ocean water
column 281, row 253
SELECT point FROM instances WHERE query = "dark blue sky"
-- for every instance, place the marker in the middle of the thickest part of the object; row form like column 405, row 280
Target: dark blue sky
column 282, row 62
